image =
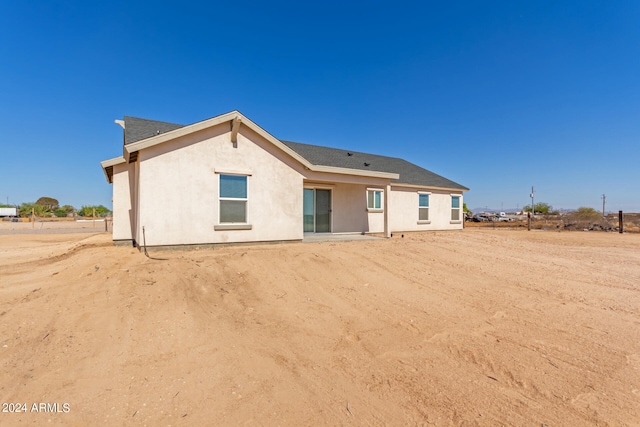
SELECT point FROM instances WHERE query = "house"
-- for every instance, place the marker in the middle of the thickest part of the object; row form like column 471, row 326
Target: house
column 227, row 180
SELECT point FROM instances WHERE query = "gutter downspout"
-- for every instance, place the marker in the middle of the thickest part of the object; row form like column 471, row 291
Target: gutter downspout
column 387, row 192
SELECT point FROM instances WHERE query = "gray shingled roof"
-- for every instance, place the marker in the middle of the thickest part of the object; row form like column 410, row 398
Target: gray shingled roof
column 136, row 129
column 409, row 173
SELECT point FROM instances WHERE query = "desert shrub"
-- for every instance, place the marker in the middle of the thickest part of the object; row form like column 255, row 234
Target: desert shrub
column 587, row 218
column 25, row 210
column 587, row 213
column 88, row 211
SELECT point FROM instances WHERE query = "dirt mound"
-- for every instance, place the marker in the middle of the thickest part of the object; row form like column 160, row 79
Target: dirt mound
column 477, row 327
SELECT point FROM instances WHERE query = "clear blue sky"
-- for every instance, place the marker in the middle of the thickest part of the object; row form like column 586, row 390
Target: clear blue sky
column 495, row 95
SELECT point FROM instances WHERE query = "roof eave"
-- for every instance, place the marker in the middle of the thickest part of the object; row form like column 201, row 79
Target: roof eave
column 107, row 167
column 431, row 187
column 186, row 130
column 357, row 172
column 227, row 117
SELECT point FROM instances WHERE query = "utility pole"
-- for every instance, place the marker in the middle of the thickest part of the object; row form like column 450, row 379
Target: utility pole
column 533, row 209
column 604, row 198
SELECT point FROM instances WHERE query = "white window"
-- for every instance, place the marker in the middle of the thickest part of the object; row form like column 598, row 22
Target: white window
column 423, row 207
column 455, row 208
column 233, row 199
column 374, row 199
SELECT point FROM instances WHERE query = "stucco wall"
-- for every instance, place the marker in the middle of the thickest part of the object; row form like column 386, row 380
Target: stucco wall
column 123, row 190
column 349, row 208
column 179, row 187
column 349, row 212
column 404, row 210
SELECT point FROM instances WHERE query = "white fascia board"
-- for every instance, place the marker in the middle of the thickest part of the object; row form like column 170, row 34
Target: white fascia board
column 177, row 133
column 110, row 162
column 275, row 141
column 358, row 172
column 316, row 168
column 155, row 140
column 458, row 191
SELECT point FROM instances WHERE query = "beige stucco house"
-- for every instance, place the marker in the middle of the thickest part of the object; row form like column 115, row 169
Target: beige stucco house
column 227, row 180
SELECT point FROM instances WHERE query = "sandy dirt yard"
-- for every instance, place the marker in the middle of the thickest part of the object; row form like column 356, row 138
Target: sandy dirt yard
column 477, row 327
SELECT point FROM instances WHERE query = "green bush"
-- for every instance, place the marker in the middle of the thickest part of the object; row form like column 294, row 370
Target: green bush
column 88, row 211
column 541, row 207
column 25, row 210
column 587, row 213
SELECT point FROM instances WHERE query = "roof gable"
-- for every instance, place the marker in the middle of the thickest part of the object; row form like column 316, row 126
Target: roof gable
column 144, row 133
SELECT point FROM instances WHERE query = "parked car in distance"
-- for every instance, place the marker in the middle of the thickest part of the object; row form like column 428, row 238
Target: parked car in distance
column 479, row 218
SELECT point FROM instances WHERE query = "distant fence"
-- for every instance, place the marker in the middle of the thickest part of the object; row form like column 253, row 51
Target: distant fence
column 63, row 224
column 559, row 222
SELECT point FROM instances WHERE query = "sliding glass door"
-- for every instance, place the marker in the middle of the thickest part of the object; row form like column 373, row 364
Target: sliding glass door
column 317, row 210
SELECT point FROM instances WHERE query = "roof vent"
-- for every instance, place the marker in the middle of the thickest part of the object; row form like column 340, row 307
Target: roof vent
column 349, row 154
column 366, row 164
column 157, row 132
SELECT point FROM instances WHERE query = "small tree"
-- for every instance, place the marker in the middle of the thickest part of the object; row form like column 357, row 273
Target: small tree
column 51, row 203
column 541, row 207
column 25, row 210
column 465, row 209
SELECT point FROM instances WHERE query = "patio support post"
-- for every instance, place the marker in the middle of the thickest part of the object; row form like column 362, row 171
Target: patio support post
column 387, row 192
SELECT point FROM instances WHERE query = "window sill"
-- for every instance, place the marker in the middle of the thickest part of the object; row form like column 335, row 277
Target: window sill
column 220, row 227
column 371, row 210
column 455, row 222
column 425, row 222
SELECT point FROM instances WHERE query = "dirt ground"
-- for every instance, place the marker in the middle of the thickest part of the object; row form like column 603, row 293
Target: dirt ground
column 474, row 327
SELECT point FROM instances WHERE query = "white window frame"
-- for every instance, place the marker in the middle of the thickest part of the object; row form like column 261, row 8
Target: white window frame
column 459, row 209
column 246, row 225
column 428, row 208
column 373, row 208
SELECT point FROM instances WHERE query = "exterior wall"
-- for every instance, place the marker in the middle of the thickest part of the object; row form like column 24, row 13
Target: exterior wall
column 403, row 213
column 349, row 212
column 179, row 188
column 124, row 196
